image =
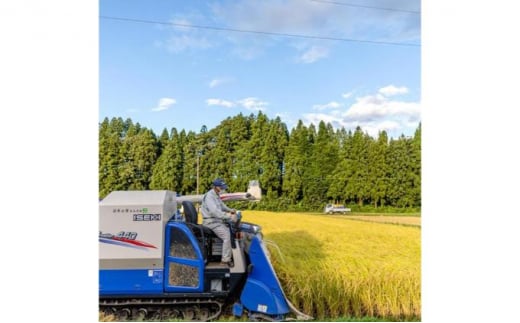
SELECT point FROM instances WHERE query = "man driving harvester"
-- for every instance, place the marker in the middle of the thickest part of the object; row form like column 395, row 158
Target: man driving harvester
column 215, row 213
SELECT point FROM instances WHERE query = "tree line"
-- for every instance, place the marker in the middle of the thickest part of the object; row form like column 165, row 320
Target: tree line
column 301, row 169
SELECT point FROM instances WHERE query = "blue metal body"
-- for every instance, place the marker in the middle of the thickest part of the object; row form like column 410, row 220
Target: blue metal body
column 130, row 281
column 182, row 257
column 238, row 309
column 262, row 291
column 148, row 281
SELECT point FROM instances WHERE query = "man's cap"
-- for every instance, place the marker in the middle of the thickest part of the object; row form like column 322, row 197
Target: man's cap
column 219, row 182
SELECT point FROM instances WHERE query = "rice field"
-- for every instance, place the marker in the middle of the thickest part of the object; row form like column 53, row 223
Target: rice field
column 332, row 267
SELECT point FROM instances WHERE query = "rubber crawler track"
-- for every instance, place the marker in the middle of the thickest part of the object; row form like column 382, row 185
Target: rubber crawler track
column 162, row 309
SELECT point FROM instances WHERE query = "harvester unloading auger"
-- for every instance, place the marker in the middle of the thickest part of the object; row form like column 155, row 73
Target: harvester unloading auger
column 156, row 264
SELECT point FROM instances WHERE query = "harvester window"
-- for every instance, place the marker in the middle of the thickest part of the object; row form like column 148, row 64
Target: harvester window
column 183, row 275
column 180, row 245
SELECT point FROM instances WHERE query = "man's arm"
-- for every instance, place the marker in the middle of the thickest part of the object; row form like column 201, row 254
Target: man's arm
column 214, row 206
column 225, row 208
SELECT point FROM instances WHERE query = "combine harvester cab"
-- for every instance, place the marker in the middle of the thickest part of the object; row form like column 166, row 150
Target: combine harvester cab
column 156, row 265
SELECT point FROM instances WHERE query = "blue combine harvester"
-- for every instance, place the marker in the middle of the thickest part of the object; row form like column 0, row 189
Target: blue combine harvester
column 157, row 264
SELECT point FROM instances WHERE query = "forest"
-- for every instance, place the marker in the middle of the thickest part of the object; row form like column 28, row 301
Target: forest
column 298, row 170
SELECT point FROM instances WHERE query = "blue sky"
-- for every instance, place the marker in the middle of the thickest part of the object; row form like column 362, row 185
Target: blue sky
column 166, row 73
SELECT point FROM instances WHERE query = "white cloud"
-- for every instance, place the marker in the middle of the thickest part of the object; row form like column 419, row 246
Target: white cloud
column 330, row 105
column 220, row 102
column 319, row 19
column 184, row 37
column 253, row 104
column 308, row 18
column 375, row 107
column 316, row 118
column 216, row 82
column 181, row 43
column 373, row 113
column 313, row 54
column 164, row 104
column 393, row 90
column 219, row 81
column 379, row 106
column 289, row 16
column 347, row 95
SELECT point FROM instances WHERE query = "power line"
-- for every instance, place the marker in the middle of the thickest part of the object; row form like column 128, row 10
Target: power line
column 367, row 7
column 256, row 31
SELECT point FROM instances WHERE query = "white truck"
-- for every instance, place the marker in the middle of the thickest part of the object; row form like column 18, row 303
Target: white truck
column 336, row 208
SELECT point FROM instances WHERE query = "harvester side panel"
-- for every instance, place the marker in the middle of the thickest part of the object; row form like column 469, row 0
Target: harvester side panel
column 131, row 241
column 131, row 282
column 262, row 291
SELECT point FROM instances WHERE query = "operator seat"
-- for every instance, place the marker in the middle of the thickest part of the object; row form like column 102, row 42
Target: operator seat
column 203, row 234
column 190, row 213
column 192, row 217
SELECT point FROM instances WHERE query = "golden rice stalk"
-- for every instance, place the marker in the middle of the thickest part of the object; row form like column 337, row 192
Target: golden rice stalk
column 332, row 267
